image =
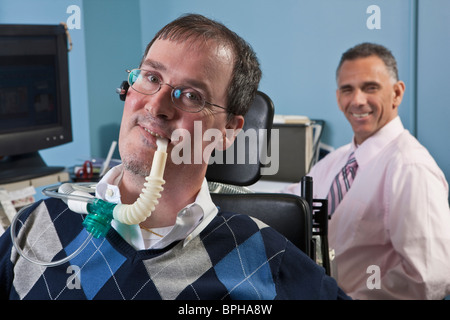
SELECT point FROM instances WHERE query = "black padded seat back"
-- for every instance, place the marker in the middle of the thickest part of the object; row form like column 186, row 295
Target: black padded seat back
column 290, row 215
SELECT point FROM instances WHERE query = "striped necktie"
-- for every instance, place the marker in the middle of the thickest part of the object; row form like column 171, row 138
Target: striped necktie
column 341, row 184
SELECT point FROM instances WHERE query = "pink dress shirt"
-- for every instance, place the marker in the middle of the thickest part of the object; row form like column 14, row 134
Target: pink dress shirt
column 391, row 232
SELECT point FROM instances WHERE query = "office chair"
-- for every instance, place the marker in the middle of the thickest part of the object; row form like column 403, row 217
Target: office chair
column 258, row 121
column 286, row 213
column 297, row 218
column 319, row 214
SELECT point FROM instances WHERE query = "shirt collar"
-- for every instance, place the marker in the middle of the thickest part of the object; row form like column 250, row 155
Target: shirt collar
column 374, row 144
column 108, row 187
column 209, row 209
column 190, row 221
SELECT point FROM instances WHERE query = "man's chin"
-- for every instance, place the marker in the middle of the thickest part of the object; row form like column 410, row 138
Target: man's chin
column 137, row 168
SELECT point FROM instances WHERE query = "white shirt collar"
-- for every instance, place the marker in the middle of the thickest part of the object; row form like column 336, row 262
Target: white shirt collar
column 190, row 221
column 372, row 146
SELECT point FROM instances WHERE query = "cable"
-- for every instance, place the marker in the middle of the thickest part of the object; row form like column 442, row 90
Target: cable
column 53, row 192
column 42, row 263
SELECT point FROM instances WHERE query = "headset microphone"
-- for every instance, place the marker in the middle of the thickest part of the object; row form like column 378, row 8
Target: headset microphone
column 122, row 90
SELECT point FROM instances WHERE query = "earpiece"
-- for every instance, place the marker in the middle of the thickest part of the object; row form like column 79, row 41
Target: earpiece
column 122, row 90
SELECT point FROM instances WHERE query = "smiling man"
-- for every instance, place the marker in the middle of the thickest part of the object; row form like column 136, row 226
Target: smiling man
column 368, row 94
column 388, row 199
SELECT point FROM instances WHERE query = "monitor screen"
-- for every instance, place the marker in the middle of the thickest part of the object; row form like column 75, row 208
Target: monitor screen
column 34, row 98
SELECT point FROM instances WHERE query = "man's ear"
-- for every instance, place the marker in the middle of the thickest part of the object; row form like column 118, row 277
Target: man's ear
column 232, row 129
column 399, row 90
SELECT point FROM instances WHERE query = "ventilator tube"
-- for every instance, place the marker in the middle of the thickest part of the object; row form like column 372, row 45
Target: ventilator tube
column 142, row 208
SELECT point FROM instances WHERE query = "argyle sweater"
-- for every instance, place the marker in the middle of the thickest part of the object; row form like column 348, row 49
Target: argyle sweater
column 234, row 257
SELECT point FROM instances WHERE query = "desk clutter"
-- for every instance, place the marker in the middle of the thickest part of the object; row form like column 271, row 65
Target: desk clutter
column 11, row 201
column 91, row 170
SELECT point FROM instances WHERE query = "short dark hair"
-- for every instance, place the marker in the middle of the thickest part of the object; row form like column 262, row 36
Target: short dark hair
column 246, row 70
column 367, row 49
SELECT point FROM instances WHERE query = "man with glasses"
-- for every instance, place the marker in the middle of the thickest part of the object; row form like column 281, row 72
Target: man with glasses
column 195, row 71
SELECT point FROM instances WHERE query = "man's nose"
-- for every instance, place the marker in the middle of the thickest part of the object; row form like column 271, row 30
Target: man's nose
column 160, row 104
column 359, row 98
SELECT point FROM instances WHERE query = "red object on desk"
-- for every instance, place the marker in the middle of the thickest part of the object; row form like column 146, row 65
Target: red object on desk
column 86, row 172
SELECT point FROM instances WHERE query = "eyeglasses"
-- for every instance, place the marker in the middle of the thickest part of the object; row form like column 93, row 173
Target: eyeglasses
column 184, row 98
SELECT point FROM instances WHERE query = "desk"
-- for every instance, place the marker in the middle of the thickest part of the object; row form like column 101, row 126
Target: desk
column 37, row 182
column 7, row 209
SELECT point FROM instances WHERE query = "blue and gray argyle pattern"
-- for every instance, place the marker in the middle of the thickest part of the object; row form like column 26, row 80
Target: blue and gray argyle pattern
column 234, row 257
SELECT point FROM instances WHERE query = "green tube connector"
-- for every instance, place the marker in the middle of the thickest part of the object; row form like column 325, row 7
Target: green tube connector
column 98, row 221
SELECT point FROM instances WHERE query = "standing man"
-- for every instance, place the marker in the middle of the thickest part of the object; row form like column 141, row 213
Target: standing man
column 388, row 199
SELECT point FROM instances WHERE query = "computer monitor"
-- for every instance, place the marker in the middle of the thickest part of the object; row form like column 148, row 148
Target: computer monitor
column 34, row 98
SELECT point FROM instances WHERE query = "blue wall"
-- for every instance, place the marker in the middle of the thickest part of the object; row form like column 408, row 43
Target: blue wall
column 433, row 82
column 299, row 43
column 113, row 44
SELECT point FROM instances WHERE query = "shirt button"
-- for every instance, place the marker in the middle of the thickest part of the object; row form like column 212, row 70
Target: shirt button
column 109, row 192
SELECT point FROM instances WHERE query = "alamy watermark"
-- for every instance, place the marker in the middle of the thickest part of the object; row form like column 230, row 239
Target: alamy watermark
column 374, row 20
column 250, row 147
column 374, row 280
column 74, row 20
column 74, row 280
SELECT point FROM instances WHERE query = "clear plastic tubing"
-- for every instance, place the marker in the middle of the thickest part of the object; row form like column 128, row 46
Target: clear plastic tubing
column 42, row 263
